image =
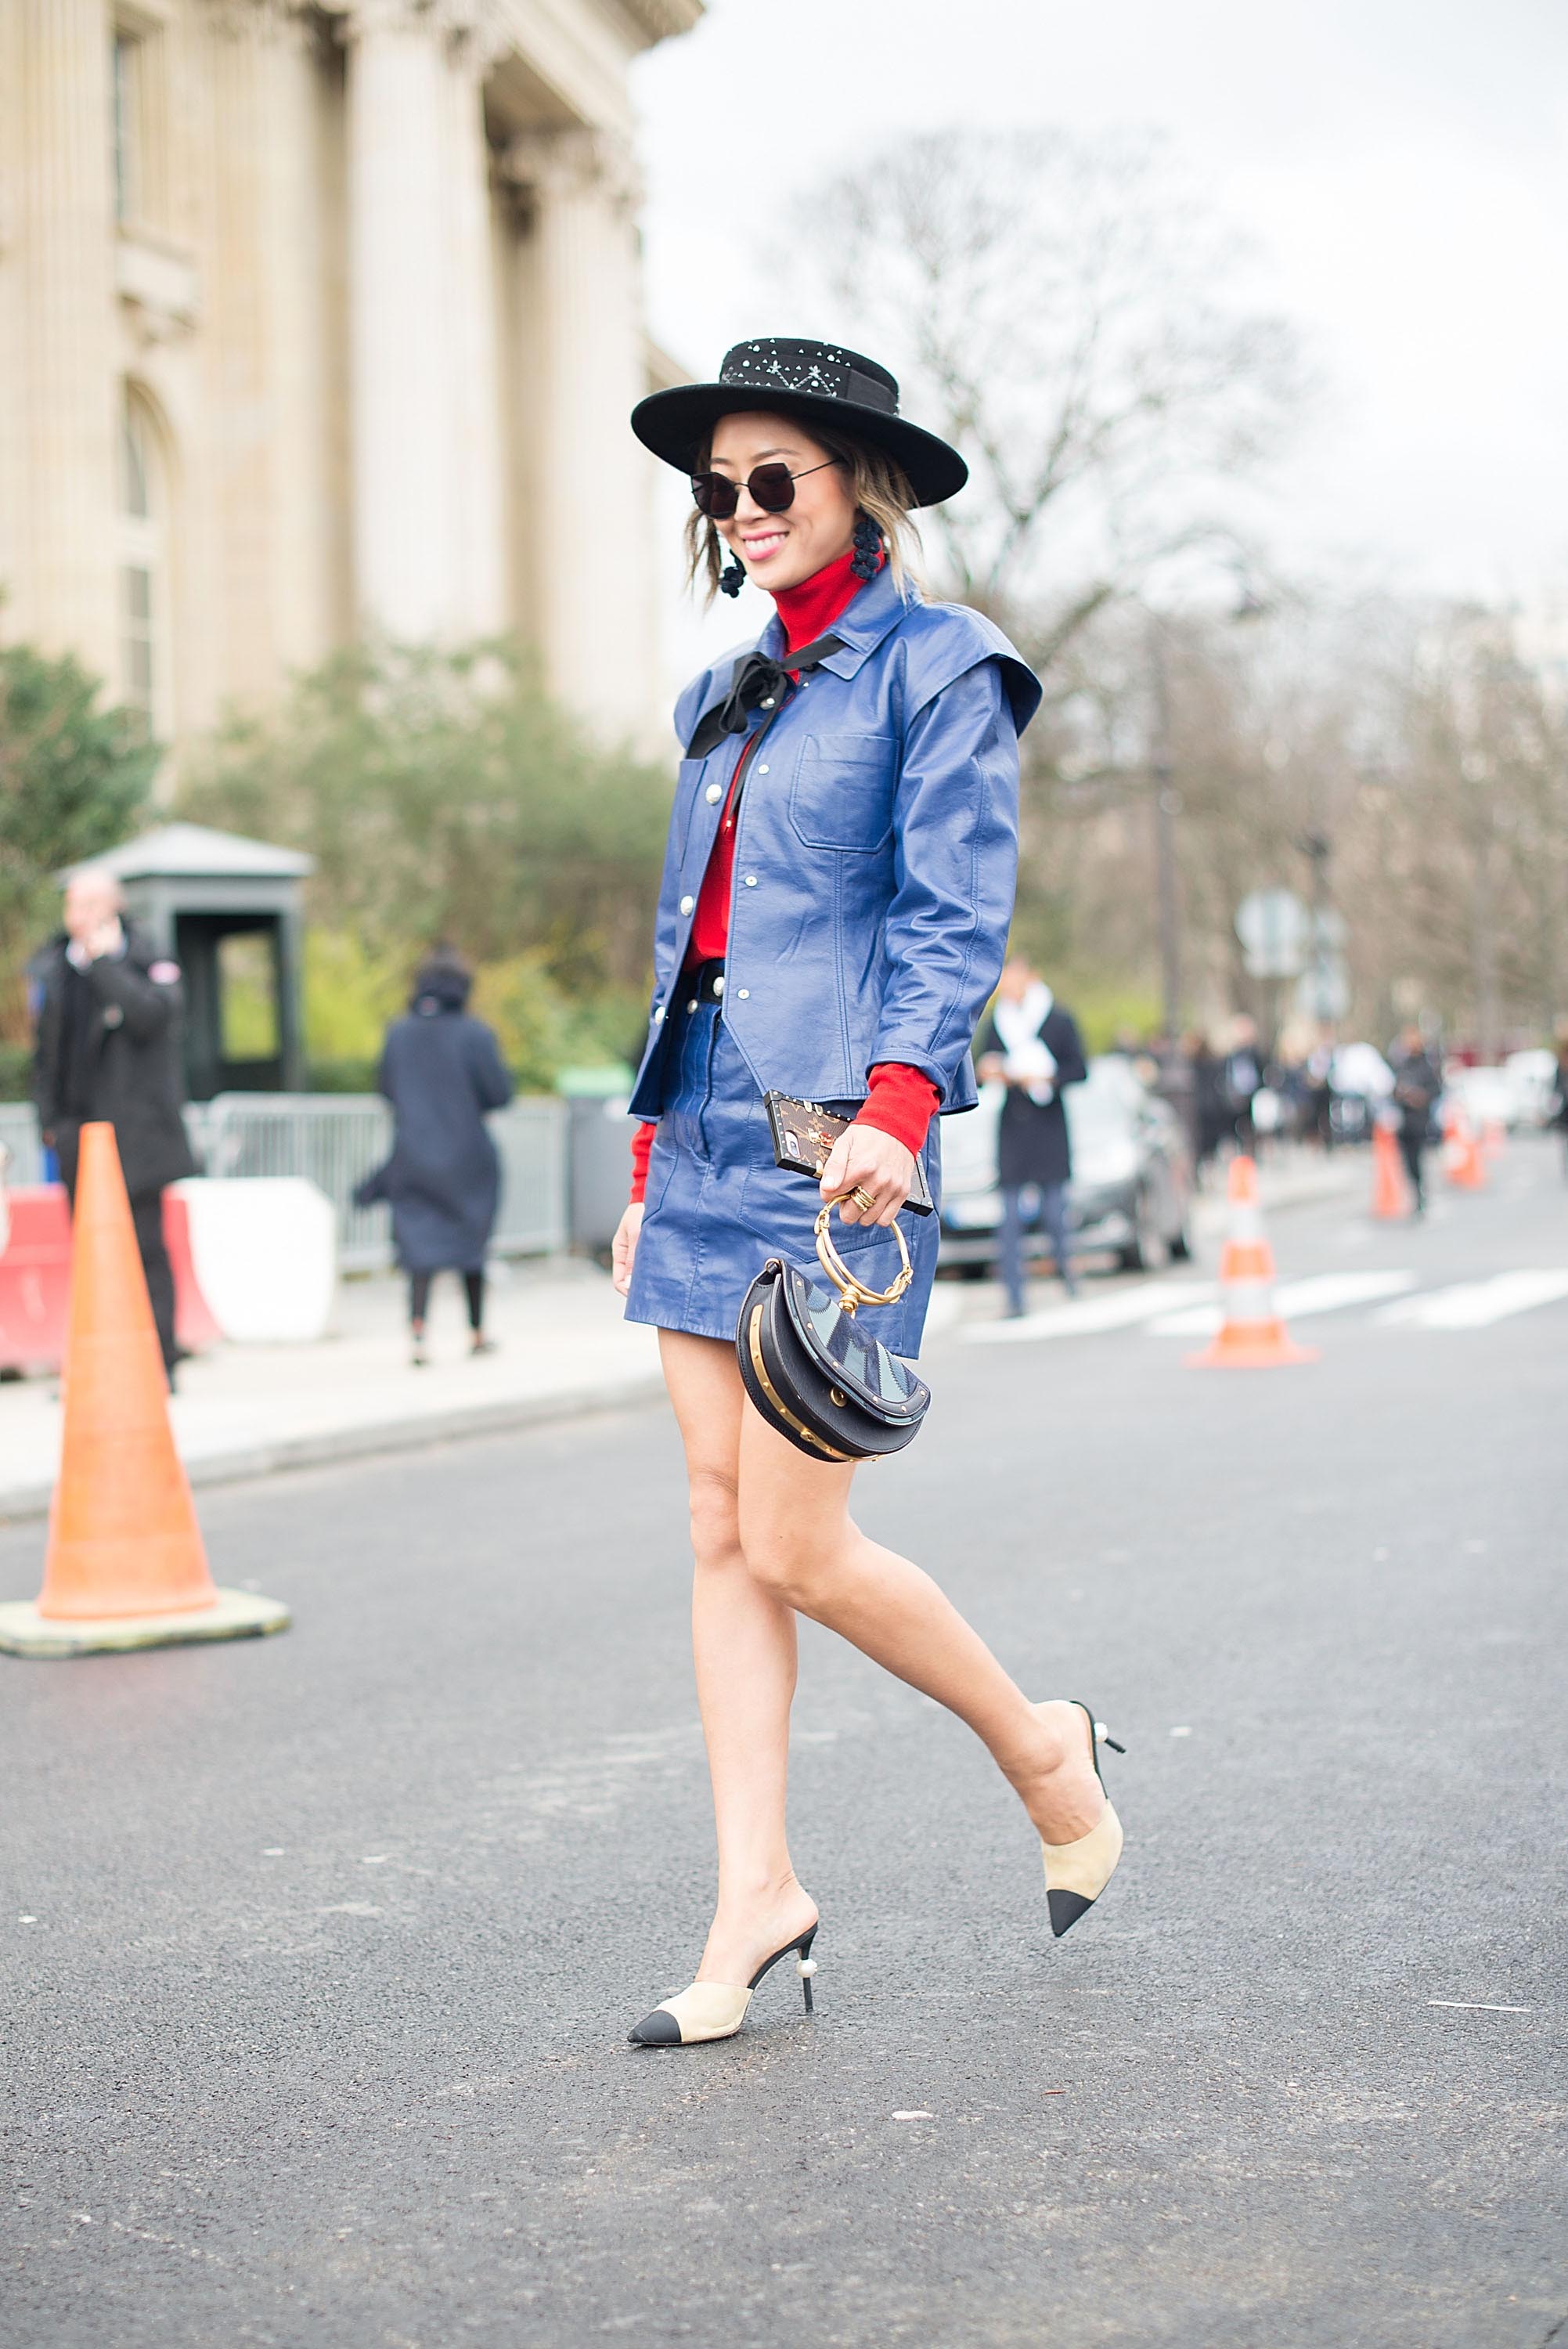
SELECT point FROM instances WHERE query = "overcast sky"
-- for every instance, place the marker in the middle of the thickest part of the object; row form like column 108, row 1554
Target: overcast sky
column 1401, row 165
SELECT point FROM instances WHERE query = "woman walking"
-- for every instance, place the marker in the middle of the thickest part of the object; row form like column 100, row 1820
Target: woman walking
column 441, row 1072
column 834, row 909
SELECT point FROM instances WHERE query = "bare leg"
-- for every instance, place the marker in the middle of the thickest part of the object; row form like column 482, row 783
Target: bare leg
column 801, row 1543
column 743, row 1643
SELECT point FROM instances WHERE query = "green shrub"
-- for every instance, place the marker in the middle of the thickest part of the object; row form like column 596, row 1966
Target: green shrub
column 445, row 796
column 340, row 1076
column 73, row 779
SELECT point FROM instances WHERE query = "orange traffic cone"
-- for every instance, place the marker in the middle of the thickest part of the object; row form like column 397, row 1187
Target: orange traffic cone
column 1390, row 1192
column 1251, row 1336
column 1463, row 1165
column 125, row 1566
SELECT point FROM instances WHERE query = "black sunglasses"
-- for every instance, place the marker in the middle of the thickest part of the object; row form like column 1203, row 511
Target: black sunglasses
column 773, row 487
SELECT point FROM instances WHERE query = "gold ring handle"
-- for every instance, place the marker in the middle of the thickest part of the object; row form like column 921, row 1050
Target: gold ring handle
column 854, row 1292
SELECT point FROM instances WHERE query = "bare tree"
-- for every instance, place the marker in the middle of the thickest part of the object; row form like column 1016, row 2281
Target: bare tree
column 1066, row 314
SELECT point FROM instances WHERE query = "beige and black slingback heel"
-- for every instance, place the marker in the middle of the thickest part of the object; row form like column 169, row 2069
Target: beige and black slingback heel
column 717, row 2010
column 1078, row 1873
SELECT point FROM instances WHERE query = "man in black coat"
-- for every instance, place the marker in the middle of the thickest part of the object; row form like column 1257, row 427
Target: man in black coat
column 1243, row 1079
column 108, row 1006
column 1417, row 1081
column 1032, row 1046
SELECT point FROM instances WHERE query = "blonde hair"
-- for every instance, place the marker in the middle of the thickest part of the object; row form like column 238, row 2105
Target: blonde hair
column 880, row 491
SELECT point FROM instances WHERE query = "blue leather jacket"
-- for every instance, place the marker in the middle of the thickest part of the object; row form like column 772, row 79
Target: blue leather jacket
column 875, row 858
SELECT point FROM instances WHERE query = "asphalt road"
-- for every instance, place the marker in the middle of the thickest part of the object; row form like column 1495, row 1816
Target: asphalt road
column 319, row 1953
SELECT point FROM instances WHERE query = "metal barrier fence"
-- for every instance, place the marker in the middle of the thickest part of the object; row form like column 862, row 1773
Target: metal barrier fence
column 19, row 1132
column 334, row 1140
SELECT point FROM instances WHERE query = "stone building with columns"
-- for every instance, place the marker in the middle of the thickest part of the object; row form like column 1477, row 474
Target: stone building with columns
column 322, row 318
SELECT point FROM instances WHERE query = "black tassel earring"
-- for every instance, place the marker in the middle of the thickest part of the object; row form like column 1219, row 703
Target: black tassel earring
column 868, row 549
column 732, row 578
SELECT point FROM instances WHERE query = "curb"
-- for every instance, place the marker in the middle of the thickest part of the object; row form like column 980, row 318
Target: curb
column 25, row 1503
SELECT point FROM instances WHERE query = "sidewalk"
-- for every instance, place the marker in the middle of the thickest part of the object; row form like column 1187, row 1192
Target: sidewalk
column 242, row 1411
column 563, row 1348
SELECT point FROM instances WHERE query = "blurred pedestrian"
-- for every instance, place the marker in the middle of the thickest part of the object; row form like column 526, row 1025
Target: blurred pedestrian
column 1243, row 1081
column 1032, row 1045
column 1560, row 1091
column 1417, row 1081
column 1212, row 1113
column 1176, row 1082
column 442, row 1073
column 106, row 1046
column 1318, row 1076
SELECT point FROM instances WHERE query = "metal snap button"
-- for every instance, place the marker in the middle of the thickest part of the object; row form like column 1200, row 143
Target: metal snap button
column 691, row 1005
column 714, row 793
column 752, row 880
column 687, row 905
column 745, row 994
column 762, row 771
column 719, row 983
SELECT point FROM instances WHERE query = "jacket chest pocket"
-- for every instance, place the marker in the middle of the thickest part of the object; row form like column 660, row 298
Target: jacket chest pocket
column 841, row 796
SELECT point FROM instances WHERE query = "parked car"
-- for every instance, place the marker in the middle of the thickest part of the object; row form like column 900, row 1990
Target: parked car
column 1487, row 1095
column 1532, row 1083
column 1362, row 1083
column 1131, row 1186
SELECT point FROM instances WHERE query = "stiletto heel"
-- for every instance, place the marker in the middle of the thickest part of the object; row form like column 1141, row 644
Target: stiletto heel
column 806, row 1966
column 1078, row 1873
column 717, row 2010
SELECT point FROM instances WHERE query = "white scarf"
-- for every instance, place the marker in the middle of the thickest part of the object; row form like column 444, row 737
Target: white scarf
column 1018, row 1026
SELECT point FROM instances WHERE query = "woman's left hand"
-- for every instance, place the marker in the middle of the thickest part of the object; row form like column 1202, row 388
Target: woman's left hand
column 865, row 1157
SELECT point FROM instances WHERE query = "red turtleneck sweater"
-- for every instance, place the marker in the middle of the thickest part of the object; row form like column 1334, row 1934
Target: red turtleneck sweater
column 901, row 1102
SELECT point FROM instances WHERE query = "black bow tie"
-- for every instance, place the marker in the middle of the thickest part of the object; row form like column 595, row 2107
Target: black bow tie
column 759, row 682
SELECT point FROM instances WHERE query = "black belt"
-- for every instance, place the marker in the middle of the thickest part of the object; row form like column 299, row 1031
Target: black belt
column 704, row 983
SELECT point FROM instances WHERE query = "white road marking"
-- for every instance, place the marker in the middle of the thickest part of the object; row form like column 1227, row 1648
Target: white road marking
column 1324, row 1292
column 1477, row 2006
column 1476, row 1304
column 1084, row 1315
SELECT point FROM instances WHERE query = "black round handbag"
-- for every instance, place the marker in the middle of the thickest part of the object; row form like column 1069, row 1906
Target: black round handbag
column 829, row 1387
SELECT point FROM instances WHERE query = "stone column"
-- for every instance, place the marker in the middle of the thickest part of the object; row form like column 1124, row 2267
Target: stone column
column 295, row 240
column 420, row 327
column 479, row 483
column 591, row 505
column 402, row 462
column 63, row 230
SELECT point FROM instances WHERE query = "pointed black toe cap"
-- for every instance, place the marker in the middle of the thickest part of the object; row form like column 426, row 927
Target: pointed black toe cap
column 1066, row 1909
column 656, row 2030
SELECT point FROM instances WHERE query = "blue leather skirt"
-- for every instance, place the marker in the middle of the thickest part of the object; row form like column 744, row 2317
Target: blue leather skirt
column 717, row 1206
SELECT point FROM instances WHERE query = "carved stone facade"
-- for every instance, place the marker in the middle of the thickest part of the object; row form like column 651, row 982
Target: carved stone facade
column 319, row 319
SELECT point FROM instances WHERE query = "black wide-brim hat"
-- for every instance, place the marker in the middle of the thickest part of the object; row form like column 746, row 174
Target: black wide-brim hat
column 817, row 382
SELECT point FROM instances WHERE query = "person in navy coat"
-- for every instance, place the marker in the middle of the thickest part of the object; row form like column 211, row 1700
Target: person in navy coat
column 443, row 1073
column 836, row 892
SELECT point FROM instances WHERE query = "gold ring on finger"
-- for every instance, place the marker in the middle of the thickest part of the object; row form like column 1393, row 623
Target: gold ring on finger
column 863, row 1198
